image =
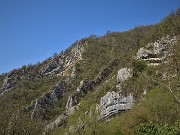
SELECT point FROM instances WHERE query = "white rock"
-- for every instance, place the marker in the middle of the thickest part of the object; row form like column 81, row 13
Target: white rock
column 113, row 103
column 124, row 74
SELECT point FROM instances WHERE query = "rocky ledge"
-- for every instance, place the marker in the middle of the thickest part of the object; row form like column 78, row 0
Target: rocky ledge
column 157, row 52
column 59, row 64
column 113, row 103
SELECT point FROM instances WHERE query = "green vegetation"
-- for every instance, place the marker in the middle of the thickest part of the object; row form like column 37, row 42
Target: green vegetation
column 153, row 129
column 156, row 113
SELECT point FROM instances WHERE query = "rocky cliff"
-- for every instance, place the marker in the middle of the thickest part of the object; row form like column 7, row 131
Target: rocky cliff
column 57, row 65
column 84, row 89
column 157, row 52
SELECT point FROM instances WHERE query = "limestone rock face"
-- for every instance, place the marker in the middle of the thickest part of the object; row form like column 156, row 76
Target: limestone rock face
column 71, row 106
column 57, row 65
column 144, row 53
column 57, row 92
column 61, row 63
column 69, row 103
column 113, row 103
column 156, row 52
column 8, row 83
column 73, row 73
column 124, row 74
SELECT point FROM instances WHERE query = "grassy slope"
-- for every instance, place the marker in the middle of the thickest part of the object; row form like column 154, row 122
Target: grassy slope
column 99, row 52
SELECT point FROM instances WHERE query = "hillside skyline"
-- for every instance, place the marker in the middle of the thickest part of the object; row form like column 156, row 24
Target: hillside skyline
column 32, row 31
column 115, row 83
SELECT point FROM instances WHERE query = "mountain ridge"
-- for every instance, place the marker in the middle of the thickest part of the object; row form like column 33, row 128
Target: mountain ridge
column 96, row 78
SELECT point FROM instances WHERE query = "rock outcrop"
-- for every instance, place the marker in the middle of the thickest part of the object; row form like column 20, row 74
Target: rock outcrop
column 72, row 105
column 113, row 103
column 86, row 86
column 62, row 62
column 124, row 74
column 157, row 52
column 154, row 53
column 9, row 82
column 57, row 65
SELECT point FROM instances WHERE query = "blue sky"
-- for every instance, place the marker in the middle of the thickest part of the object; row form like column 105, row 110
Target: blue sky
column 33, row 30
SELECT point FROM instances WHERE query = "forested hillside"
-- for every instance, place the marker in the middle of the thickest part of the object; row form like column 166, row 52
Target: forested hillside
column 118, row 83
